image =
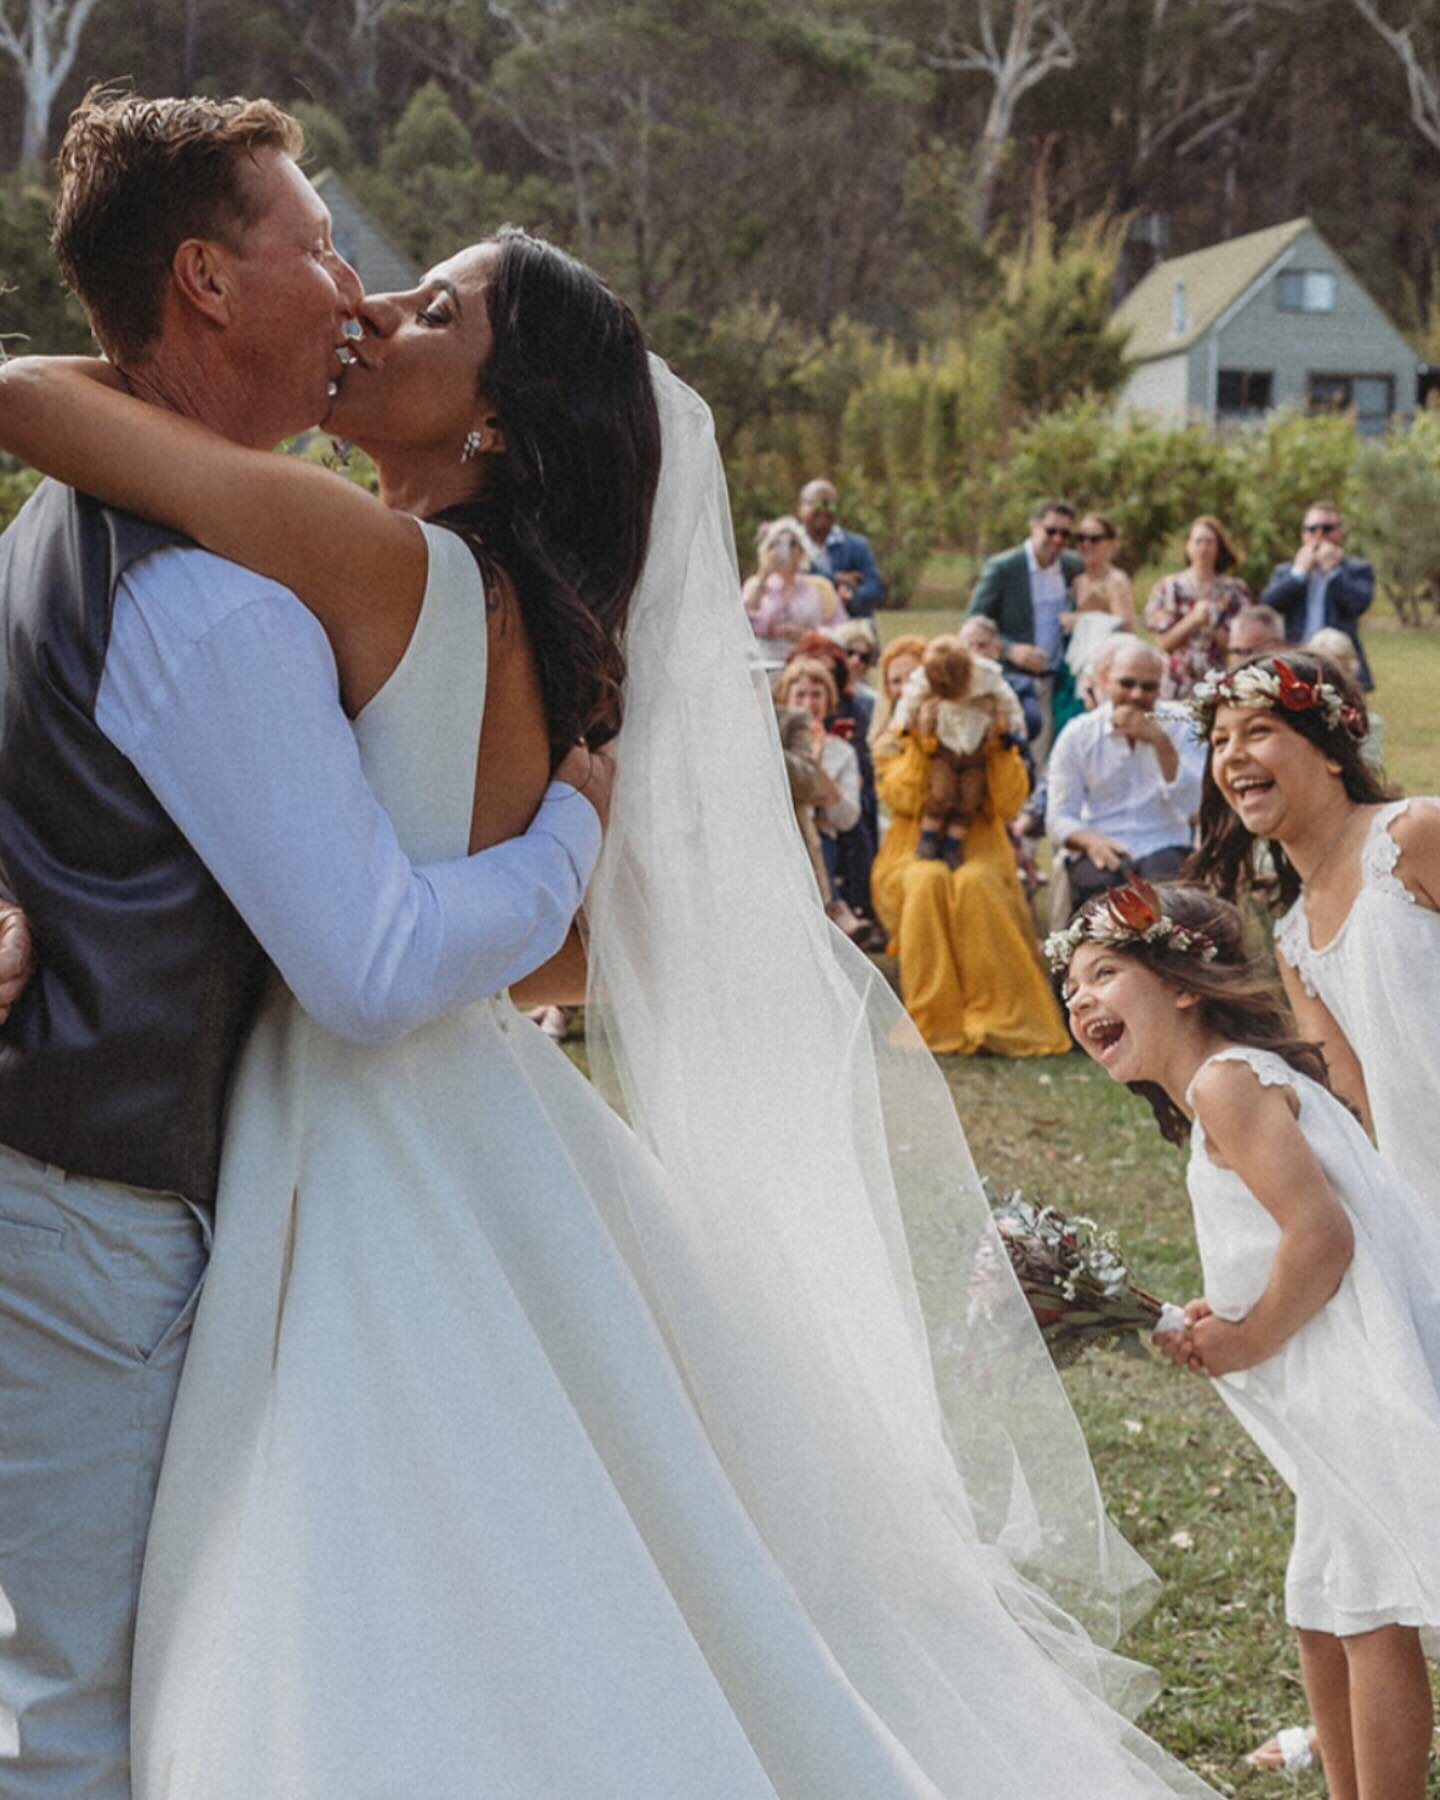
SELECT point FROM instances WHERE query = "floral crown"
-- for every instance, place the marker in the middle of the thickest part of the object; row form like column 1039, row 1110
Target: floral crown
column 1278, row 687
column 1130, row 915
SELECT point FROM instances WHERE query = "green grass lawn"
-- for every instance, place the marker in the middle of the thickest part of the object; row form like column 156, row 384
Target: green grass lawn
column 1181, row 1479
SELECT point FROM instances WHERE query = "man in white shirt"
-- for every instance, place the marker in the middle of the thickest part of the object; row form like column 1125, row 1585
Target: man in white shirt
column 180, row 799
column 1124, row 780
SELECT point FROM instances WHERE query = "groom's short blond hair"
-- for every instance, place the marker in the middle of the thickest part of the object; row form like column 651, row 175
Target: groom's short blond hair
column 137, row 178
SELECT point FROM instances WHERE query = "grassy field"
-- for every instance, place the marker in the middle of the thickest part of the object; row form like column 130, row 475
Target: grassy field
column 1181, row 1479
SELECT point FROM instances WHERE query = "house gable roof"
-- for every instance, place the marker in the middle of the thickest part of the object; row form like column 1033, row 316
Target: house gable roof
column 1213, row 278
column 377, row 262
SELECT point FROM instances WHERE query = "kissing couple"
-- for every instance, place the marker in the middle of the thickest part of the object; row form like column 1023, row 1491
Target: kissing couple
column 530, row 1438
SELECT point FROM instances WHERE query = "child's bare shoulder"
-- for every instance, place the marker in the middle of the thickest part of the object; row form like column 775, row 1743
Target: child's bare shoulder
column 1231, row 1095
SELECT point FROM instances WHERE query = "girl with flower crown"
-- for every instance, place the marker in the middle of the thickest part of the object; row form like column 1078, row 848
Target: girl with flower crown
column 1320, row 1323
column 1359, row 874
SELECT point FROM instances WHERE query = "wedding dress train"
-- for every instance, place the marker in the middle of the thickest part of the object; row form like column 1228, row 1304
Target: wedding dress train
column 456, row 1504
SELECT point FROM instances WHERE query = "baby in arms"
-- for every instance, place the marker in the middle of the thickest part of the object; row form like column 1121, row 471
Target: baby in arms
column 957, row 701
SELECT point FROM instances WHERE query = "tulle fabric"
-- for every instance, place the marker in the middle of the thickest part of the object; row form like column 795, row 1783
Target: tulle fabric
column 814, row 1162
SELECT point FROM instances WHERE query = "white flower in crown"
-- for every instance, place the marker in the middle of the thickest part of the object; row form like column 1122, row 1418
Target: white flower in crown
column 1276, row 686
column 1130, row 915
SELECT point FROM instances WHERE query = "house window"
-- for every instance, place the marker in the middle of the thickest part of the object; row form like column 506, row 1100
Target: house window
column 1371, row 398
column 1177, row 308
column 1243, row 392
column 1306, row 290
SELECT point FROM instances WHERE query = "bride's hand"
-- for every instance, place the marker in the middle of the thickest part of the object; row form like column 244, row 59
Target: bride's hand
column 592, row 773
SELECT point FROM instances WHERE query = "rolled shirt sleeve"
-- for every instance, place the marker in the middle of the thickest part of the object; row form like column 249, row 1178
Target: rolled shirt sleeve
column 222, row 691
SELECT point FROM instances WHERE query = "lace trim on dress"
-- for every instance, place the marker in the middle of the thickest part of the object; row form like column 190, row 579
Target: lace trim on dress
column 1380, row 853
column 1271, row 1070
column 1292, row 940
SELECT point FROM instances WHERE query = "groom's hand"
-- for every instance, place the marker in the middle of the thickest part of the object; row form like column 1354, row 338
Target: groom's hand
column 15, row 956
column 592, row 773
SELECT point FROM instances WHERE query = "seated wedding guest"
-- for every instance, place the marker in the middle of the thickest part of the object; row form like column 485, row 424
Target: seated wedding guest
column 899, row 657
column 807, row 684
column 970, row 975
column 783, row 601
column 843, row 556
column 803, row 772
column 1190, row 613
column 852, row 719
column 1124, row 780
column 1338, row 647
column 1254, row 631
column 1102, row 601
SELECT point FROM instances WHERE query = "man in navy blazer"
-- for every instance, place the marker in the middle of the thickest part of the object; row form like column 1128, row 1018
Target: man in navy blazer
column 843, row 557
column 1322, row 585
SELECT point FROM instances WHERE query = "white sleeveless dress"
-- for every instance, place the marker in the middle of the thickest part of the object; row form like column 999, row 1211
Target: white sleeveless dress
column 438, row 1519
column 1348, row 1409
column 1380, row 978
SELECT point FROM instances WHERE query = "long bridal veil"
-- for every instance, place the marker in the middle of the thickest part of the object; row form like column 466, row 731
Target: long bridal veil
column 889, row 1439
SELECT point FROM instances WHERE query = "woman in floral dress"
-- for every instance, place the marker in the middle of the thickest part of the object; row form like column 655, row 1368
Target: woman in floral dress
column 1189, row 614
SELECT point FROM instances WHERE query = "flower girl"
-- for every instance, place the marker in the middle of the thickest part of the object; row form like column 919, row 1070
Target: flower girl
column 1321, row 1316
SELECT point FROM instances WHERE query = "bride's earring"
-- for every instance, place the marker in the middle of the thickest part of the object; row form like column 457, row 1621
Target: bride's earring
column 474, row 444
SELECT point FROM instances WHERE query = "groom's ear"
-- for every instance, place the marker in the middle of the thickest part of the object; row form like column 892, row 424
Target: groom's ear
column 198, row 269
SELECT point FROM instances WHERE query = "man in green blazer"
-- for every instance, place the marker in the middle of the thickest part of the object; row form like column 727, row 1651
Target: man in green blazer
column 1024, row 591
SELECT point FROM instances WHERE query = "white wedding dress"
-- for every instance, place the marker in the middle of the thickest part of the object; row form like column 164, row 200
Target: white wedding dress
column 446, row 1512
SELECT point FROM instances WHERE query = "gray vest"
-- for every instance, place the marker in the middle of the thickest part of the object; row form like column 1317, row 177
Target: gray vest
column 114, row 1063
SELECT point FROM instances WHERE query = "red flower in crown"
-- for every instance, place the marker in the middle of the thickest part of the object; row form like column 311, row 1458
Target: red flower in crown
column 1136, row 906
column 1295, row 695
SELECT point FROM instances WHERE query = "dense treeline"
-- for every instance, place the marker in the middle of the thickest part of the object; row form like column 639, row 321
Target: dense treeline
column 807, row 202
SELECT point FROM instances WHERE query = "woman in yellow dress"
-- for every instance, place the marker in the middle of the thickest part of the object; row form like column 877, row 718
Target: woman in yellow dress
column 970, row 972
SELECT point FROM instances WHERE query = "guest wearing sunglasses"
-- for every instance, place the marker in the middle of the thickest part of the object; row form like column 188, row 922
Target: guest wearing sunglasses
column 1025, row 591
column 1124, row 780
column 1102, row 601
column 1190, row 613
column 1321, row 586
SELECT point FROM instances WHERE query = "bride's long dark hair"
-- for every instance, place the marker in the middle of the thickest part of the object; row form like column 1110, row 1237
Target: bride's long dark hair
column 566, row 513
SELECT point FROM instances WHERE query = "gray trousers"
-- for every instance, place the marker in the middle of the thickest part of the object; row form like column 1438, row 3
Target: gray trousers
column 98, row 1286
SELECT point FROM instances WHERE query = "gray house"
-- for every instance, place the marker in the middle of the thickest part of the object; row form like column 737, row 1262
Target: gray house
column 1270, row 319
column 361, row 242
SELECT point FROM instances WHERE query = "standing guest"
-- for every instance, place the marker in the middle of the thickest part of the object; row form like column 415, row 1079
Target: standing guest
column 1124, row 780
column 1025, row 591
column 843, row 557
column 1104, row 601
column 1321, row 585
column 898, row 661
column 781, row 598
column 851, row 850
column 1256, row 630
column 1190, row 613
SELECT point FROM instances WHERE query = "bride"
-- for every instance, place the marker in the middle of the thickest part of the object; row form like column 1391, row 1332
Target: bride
column 536, row 1447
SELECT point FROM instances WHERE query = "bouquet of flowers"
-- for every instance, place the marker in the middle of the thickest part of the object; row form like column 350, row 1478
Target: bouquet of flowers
column 1077, row 1285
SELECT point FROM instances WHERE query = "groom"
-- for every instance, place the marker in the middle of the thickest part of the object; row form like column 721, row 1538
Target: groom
column 181, row 805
